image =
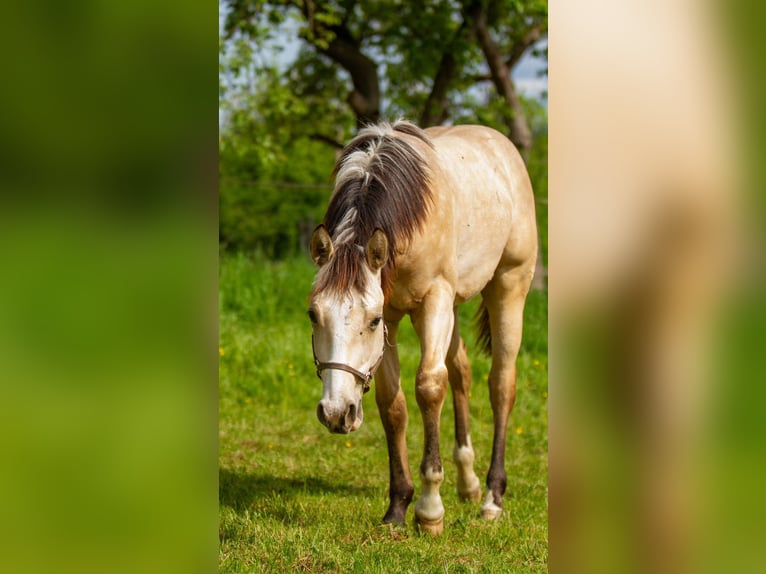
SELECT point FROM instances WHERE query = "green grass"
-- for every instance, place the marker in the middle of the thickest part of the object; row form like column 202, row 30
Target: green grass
column 295, row 498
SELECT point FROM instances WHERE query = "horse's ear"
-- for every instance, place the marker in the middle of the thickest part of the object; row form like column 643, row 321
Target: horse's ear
column 377, row 250
column 321, row 246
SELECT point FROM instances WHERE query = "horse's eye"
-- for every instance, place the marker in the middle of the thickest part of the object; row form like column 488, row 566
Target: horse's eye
column 375, row 322
column 312, row 316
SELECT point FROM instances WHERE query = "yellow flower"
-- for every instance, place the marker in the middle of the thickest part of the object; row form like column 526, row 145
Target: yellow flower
column 221, row 351
column 270, row 446
column 348, row 443
column 536, row 363
column 519, row 430
column 545, row 394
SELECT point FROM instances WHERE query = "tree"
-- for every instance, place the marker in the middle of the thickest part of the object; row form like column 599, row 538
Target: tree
column 429, row 51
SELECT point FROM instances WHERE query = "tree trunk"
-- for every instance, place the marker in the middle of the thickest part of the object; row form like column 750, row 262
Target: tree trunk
column 344, row 50
column 520, row 134
column 365, row 97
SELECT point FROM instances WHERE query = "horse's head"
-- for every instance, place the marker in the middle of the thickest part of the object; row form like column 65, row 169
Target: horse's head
column 348, row 329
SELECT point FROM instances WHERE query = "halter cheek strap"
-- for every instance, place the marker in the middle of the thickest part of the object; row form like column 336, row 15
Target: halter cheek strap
column 364, row 378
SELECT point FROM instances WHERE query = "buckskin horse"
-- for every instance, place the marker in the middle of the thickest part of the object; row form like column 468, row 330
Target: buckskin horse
column 420, row 221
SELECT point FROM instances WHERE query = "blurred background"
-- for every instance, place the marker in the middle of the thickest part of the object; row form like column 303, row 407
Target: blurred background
column 108, row 250
column 656, row 287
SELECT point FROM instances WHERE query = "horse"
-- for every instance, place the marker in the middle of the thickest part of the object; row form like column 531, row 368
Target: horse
column 419, row 222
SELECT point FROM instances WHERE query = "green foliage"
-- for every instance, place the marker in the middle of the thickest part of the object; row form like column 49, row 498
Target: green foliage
column 265, row 206
column 293, row 497
column 274, row 178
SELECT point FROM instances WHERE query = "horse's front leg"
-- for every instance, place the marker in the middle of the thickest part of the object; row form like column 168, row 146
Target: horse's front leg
column 433, row 324
column 393, row 413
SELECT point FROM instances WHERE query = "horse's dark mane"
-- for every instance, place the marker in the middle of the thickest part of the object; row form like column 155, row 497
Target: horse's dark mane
column 381, row 182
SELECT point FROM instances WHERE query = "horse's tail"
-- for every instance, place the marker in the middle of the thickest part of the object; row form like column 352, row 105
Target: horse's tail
column 484, row 334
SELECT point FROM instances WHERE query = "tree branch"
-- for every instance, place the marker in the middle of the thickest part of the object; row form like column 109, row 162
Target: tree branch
column 435, row 110
column 326, row 139
column 518, row 49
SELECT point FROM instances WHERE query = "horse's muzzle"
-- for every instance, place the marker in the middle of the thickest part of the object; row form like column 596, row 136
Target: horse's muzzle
column 338, row 420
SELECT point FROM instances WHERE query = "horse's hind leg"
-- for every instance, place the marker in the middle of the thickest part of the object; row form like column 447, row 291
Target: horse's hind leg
column 504, row 298
column 459, row 371
column 393, row 413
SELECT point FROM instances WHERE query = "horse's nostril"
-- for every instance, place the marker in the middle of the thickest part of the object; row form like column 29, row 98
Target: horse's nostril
column 351, row 416
column 321, row 415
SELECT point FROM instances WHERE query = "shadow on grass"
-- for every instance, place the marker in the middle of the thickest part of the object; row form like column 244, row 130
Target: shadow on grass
column 240, row 490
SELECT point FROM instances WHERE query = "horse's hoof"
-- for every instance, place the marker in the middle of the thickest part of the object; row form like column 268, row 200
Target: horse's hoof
column 432, row 527
column 473, row 495
column 490, row 510
column 491, row 513
column 394, row 516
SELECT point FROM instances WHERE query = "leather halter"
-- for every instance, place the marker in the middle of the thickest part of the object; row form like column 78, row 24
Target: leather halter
column 364, row 378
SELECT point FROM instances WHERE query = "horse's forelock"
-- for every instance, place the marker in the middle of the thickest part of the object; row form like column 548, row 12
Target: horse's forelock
column 342, row 272
column 345, row 271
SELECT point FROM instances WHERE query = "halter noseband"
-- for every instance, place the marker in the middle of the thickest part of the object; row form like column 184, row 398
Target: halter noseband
column 364, row 378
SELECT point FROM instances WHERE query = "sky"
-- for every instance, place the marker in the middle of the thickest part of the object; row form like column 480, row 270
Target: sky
column 527, row 75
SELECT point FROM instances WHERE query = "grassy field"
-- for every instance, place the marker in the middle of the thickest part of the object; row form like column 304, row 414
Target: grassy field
column 295, row 498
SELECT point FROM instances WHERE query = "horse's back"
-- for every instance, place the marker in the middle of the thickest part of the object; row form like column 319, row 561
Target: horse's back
column 484, row 180
column 484, row 169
